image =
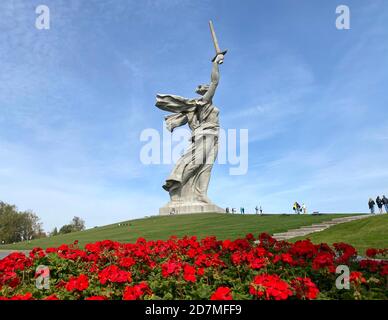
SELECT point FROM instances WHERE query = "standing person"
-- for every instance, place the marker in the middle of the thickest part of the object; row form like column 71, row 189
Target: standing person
column 243, row 210
column 227, row 210
column 261, row 210
column 294, row 207
column 297, row 207
column 379, row 203
column 371, row 205
column 385, row 203
column 304, row 208
column 233, row 210
column 257, row 210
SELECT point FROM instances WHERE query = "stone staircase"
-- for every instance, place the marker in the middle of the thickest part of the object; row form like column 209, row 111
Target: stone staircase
column 303, row 231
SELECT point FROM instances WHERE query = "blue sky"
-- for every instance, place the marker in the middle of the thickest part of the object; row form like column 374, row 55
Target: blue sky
column 74, row 100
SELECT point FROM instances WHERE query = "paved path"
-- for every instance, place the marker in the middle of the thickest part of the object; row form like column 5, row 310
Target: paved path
column 303, row 231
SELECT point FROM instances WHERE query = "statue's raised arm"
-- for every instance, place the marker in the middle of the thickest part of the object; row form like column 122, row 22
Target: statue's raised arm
column 215, row 78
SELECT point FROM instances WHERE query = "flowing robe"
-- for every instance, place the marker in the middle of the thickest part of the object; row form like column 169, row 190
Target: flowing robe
column 190, row 177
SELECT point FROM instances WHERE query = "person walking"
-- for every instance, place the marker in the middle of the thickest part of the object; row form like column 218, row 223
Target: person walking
column 227, row 209
column 379, row 203
column 257, row 210
column 297, row 207
column 385, row 203
column 261, row 211
column 371, row 205
column 304, row 208
column 233, row 210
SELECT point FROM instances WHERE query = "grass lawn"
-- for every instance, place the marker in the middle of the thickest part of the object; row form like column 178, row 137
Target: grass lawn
column 362, row 234
column 221, row 225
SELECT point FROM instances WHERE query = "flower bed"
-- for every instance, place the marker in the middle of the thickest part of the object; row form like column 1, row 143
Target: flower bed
column 191, row 269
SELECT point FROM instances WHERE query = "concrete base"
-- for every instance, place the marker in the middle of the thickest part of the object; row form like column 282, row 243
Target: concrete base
column 189, row 208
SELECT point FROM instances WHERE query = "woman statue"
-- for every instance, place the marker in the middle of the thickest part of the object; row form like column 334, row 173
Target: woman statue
column 189, row 180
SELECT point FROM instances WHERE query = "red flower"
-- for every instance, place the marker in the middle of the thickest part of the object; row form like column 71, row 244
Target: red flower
column 114, row 274
column 303, row 248
column 171, row 268
column 136, row 292
column 127, row 262
column 356, row 277
column 270, row 287
column 222, row 293
column 51, row 250
column 37, row 253
column 284, row 257
column 188, row 260
column 80, row 283
column 322, row 260
column 27, row 296
column 189, row 273
column 96, row 298
column 227, row 245
column 305, row 288
column 10, row 278
column 347, row 252
column 258, row 263
column 384, row 271
column 371, row 253
column 250, row 237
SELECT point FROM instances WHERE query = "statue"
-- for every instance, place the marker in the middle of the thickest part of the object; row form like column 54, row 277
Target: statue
column 189, row 180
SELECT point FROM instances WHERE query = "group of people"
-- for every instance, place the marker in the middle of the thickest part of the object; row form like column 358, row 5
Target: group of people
column 242, row 210
column 298, row 208
column 233, row 210
column 380, row 202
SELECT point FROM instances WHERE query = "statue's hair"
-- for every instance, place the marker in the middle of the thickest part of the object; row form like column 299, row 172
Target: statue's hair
column 202, row 89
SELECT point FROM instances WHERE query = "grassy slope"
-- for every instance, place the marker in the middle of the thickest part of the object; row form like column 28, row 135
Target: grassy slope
column 221, row 225
column 362, row 234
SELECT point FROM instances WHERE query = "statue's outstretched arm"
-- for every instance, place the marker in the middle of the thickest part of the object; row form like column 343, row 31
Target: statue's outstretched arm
column 215, row 77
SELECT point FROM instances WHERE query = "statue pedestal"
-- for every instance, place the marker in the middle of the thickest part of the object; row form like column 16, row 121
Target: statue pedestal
column 173, row 208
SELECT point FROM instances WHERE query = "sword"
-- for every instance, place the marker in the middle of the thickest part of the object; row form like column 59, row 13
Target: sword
column 215, row 41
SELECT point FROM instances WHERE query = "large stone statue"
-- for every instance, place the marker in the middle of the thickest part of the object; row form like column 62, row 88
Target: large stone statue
column 189, row 180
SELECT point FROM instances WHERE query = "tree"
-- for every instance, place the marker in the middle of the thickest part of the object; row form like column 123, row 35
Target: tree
column 17, row 225
column 29, row 226
column 54, row 232
column 78, row 224
column 67, row 228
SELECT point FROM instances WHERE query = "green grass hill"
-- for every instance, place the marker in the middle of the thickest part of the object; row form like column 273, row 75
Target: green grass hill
column 362, row 234
column 162, row 227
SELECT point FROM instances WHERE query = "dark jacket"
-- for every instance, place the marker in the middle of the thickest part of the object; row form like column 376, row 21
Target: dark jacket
column 371, row 204
column 385, row 200
column 379, row 202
